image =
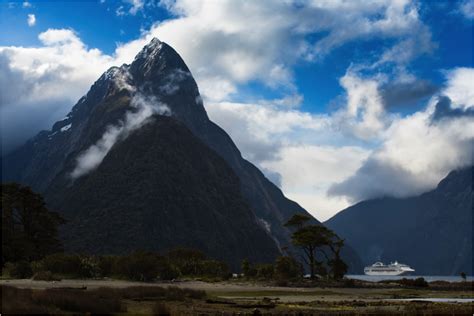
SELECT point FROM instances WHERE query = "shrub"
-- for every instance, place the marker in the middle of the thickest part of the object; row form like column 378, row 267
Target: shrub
column 89, row 267
column 248, row 269
column 63, row 264
column 188, row 261
column 287, row 268
column 20, row 270
column 139, row 266
column 418, row 282
column 215, row 268
column 106, row 265
column 166, row 271
column 349, row 282
column 265, row 271
column 45, row 276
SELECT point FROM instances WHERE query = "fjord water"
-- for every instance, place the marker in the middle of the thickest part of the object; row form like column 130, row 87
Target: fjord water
column 428, row 278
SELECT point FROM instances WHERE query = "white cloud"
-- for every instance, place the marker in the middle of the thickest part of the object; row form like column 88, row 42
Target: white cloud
column 460, row 87
column 31, row 20
column 43, row 83
column 137, row 5
column 227, row 44
column 222, row 45
column 93, row 156
column 308, row 170
column 26, row 4
column 364, row 113
column 467, row 9
column 417, row 151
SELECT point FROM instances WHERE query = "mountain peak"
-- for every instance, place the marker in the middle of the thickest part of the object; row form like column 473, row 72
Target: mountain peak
column 151, row 50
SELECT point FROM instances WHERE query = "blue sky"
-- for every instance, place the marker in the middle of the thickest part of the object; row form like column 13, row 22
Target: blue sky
column 99, row 26
column 318, row 94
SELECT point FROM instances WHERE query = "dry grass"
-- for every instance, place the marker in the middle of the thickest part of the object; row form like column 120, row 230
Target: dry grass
column 98, row 301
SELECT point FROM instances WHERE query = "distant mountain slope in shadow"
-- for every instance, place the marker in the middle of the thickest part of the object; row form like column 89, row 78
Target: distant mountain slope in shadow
column 431, row 232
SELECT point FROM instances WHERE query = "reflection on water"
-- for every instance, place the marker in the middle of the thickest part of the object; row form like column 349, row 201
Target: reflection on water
column 429, row 278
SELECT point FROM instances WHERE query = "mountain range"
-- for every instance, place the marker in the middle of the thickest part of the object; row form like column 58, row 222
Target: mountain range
column 137, row 164
column 431, row 232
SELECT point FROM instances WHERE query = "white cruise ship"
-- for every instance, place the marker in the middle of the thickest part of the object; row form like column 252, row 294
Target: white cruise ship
column 393, row 268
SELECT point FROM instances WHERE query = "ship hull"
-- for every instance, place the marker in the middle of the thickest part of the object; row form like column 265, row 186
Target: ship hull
column 389, row 273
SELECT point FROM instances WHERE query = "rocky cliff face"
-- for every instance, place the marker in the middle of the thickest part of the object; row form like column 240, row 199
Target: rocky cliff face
column 137, row 164
column 431, row 232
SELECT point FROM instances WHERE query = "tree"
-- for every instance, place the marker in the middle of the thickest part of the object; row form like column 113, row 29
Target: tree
column 338, row 266
column 247, row 269
column 463, row 276
column 287, row 268
column 298, row 220
column 187, row 260
column 29, row 229
column 312, row 239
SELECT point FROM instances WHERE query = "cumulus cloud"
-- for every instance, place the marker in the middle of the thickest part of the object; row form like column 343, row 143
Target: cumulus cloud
column 92, row 157
column 460, row 87
column 221, row 45
column 227, row 44
column 26, row 4
column 43, row 83
column 363, row 115
column 260, row 130
column 31, row 20
column 308, row 170
column 418, row 150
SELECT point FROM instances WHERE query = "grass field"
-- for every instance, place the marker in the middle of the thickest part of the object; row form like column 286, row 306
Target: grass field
column 202, row 298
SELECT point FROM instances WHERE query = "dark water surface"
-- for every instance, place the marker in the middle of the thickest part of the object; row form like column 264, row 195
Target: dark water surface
column 428, row 278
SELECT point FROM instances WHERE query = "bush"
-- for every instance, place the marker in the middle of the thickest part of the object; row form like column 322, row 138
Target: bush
column 248, row 269
column 287, row 268
column 63, row 264
column 106, row 265
column 166, row 271
column 349, row 282
column 139, row 266
column 418, row 282
column 186, row 260
column 19, row 270
column 214, row 268
column 265, row 271
column 45, row 276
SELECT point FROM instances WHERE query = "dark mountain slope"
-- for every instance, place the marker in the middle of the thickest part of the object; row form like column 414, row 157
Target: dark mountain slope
column 158, row 75
column 431, row 232
column 159, row 188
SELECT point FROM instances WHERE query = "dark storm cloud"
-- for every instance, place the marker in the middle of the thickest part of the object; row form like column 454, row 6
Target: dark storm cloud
column 444, row 110
column 405, row 94
column 366, row 182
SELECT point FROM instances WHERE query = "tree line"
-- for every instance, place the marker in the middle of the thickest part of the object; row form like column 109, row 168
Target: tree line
column 30, row 246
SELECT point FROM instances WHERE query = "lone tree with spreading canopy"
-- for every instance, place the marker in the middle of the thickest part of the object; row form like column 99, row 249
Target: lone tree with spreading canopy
column 29, row 229
column 312, row 239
